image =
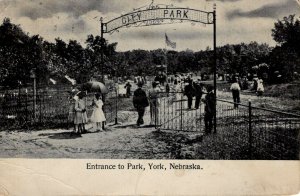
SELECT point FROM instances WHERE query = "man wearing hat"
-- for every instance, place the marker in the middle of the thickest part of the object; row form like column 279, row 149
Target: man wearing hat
column 140, row 102
column 198, row 93
column 235, row 89
column 128, row 89
column 210, row 108
column 189, row 91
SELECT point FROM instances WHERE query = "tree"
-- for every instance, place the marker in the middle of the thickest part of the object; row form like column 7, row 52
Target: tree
column 19, row 54
column 285, row 58
column 96, row 45
column 286, row 32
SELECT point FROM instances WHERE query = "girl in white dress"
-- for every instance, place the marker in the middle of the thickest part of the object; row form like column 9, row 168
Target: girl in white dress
column 98, row 114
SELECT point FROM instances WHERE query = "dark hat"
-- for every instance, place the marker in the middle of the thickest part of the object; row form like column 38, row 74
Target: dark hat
column 154, row 84
column 80, row 94
column 209, row 88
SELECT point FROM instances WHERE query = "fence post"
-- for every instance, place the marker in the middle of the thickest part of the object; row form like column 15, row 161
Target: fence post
column 104, row 99
column 181, row 113
column 40, row 100
column 43, row 105
column 155, row 114
column 250, row 130
column 26, row 109
column 34, row 98
column 200, row 115
column 117, row 100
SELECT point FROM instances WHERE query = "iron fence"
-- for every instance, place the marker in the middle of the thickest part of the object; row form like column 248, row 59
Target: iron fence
column 246, row 132
column 274, row 134
column 47, row 110
column 174, row 114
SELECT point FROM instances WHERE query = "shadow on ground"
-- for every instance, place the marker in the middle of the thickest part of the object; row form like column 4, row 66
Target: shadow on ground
column 134, row 126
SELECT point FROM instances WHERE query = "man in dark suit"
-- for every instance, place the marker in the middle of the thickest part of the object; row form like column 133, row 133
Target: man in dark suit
column 189, row 91
column 128, row 89
column 198, row 93
column 140, row 102
column 210, row 108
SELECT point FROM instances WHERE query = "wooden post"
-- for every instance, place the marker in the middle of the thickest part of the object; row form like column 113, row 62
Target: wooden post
column 33, row 76
column 215, row 67
column 102, row 54
column 250, row 130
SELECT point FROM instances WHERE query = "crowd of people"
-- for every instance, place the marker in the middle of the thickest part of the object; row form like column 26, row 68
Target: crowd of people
column 242, row 84
column 180, row 85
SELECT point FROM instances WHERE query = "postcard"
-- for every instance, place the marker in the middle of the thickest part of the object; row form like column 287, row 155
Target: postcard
column 149, row 97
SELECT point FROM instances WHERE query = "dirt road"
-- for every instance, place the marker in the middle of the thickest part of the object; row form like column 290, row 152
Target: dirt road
column 125, row 141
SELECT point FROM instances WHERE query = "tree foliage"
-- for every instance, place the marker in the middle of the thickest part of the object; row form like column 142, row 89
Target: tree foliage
column 20, row 53
column 285, row 58
column 286, row 32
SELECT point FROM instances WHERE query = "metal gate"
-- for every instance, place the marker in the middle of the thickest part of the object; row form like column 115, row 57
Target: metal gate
column 173, row 113
column 246, row 132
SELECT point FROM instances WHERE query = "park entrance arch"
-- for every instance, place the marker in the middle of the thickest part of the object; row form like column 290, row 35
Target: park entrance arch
column 159, row 15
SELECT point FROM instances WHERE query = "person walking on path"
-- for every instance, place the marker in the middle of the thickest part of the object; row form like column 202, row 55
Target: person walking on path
column 167, row 88
column 153, row 97
column 209, row 109
column 260, row 87
column 80, row 114
column 198, row 93
column 140, row 102
column 121, row 90
column 178, row 91
column 98, row 115
column 255, row 83
column 189, row 91
column 128, row 89
column 235, row 89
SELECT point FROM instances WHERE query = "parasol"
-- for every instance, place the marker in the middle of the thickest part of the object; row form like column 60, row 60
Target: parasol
column 94, row 86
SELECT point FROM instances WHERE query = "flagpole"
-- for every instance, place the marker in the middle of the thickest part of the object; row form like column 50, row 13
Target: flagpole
column 166, row 59
column 168, row 43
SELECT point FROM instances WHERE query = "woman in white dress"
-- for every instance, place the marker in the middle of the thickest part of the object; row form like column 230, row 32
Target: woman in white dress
column 98, row 114
column 260, row 87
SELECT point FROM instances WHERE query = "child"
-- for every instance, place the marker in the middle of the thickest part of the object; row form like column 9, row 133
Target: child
column 98, row 114
column 80, row 114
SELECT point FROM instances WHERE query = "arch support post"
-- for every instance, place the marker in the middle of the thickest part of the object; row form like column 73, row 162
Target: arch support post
column 215, row 67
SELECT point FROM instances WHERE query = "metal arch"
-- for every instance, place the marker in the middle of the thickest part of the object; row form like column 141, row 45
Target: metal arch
column 203, row 17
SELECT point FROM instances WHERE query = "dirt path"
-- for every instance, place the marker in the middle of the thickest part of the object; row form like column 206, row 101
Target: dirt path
column 124, row 141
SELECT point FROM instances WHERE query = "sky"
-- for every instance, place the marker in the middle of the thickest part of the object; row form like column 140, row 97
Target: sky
column 237, row 21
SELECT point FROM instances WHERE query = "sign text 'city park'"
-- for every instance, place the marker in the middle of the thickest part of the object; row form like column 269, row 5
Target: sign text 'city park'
column 158, row 16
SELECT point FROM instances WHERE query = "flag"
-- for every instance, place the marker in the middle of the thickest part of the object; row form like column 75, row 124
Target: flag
column 170, row 43
column 70, row 79
column 53, row 81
